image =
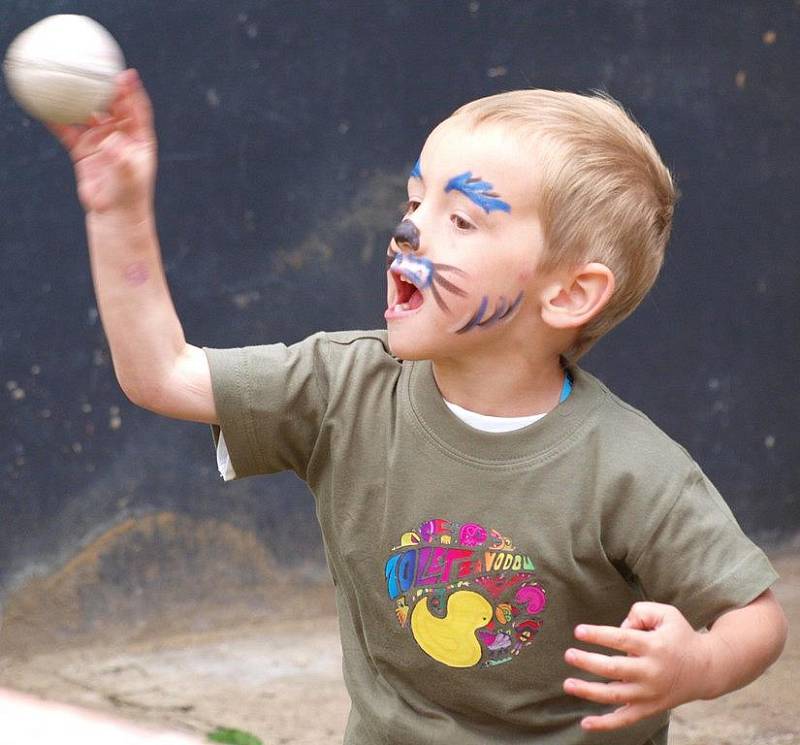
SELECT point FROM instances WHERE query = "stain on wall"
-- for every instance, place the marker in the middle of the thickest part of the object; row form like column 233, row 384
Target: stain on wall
column 156, row 573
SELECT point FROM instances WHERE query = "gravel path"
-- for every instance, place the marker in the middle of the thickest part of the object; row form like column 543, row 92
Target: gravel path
column 284, row 684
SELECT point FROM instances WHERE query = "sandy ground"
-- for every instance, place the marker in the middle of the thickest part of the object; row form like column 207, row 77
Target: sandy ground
column 283, row 683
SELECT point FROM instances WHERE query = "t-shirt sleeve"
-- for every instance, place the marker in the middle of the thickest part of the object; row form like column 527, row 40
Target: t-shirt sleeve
column 270, row 401
column 698, row 558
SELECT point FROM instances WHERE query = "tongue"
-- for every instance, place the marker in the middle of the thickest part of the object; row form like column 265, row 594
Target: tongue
column 415, row 300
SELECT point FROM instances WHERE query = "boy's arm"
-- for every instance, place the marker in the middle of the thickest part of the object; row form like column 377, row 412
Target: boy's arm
column 668, row 663
column 743, row 643
column 115, row 166
column 155, row 366
column 29, row 719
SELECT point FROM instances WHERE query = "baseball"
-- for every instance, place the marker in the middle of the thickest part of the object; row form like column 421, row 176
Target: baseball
column 62, row 68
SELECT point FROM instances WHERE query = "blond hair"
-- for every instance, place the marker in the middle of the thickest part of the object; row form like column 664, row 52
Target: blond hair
column 605, row 194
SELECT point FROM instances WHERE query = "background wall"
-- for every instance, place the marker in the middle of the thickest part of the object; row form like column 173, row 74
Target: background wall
column 287, row 130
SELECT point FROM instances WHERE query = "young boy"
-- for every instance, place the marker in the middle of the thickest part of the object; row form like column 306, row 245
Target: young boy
column 518, row 555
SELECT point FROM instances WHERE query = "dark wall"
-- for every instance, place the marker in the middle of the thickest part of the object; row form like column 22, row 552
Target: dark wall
column 286, row 133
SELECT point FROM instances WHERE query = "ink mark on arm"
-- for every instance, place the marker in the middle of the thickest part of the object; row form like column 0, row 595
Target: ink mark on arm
column 136, row 274
column 478, row 191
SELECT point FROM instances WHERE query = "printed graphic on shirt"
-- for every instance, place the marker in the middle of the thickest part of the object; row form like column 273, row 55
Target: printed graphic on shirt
column 465, row 594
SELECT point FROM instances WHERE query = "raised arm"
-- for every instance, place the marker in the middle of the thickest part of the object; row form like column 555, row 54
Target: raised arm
column 115, row 159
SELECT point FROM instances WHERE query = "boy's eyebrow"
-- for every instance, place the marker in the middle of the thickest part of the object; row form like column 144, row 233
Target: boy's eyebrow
column 416, row 171
column 478, row 191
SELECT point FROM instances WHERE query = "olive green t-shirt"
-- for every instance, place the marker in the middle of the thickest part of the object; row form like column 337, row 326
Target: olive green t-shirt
column 463, row 560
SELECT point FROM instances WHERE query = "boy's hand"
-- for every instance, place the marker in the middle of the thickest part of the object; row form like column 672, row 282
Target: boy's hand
column 115, row 154
column 664, row 666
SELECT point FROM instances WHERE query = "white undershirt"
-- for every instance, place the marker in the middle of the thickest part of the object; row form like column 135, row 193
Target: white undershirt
column 486, row 423
column 224, row 460
column 482, row 422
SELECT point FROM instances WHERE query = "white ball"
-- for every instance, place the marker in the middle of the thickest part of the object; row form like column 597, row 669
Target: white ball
column 62, row 68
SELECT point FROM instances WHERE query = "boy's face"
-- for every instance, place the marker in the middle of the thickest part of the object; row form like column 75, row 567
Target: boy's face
column 461, row 264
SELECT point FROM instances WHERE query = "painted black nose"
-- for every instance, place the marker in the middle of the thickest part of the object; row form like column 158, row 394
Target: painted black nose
column 406, row 236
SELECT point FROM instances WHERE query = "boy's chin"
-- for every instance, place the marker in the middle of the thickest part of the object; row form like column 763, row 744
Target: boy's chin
column 406, row 347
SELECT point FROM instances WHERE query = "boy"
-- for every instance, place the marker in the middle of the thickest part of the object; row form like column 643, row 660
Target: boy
column 483, row 501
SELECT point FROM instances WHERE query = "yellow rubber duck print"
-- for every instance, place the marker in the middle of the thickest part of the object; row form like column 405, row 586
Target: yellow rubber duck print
column 451, row 640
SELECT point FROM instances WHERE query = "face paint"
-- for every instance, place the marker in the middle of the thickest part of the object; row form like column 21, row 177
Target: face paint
column 426, row 274
column 416, row 269
column 416, row 172
column 478, row 191
column 503, row 311
column 406, row 236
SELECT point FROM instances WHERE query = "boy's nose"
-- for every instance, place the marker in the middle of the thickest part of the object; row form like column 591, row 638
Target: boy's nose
column 406, row 236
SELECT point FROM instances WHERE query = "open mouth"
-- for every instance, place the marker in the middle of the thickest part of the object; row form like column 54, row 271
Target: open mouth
column 408, row 297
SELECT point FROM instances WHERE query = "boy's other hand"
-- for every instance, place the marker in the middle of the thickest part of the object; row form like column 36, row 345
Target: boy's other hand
column 115, row 153
column 664, row 665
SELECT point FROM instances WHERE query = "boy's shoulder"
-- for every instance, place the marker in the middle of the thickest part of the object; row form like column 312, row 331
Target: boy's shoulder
column 630, row 434
column 350, row 357
column 358, row 347
column 377, row 338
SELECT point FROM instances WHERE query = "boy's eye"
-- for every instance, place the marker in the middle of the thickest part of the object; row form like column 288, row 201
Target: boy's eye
column 461, row 223
column 411, row 206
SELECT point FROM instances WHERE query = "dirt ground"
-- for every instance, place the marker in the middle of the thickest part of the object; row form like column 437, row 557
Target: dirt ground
column 283, row 683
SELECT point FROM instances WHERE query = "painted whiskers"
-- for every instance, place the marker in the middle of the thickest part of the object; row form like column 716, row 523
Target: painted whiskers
column 426, row 274
column 502, row 311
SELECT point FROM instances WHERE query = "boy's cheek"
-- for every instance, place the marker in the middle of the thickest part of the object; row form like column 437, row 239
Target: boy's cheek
column 524, row 277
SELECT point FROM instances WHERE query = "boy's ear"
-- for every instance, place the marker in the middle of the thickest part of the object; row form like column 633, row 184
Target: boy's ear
column 574, row 299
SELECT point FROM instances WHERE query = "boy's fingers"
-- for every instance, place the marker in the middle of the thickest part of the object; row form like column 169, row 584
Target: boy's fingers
column 99, row 117
column 132, row 104
column 602, row 693
column 644, row 615
column 76, row 138
column 624, row 716
column 70, row 134
column 144, row 107
column 614, row 667
column 632, row 641
column 90, row 140
column 66, row 134
column 121, row 90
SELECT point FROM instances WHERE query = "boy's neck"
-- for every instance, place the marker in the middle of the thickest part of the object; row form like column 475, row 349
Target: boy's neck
column 519, row 386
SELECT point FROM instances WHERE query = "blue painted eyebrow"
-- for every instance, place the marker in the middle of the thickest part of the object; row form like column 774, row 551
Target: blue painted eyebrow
column 478, row 191
column 416, row 171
